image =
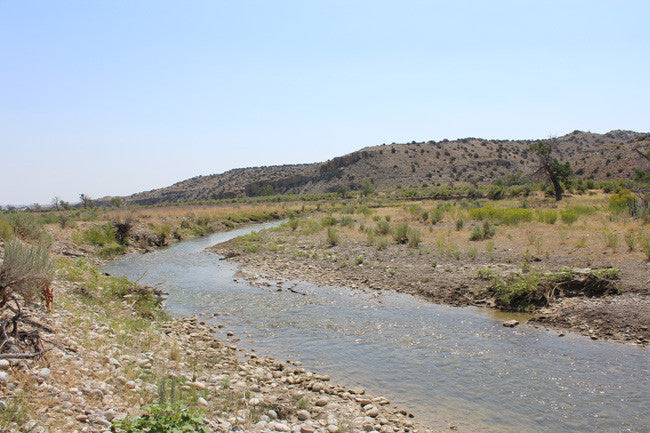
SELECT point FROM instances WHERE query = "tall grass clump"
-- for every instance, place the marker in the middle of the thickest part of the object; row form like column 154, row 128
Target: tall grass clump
column 569, row 216
column 548, row 216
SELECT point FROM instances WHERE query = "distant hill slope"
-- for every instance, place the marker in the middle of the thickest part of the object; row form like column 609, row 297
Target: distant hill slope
column 598, row 156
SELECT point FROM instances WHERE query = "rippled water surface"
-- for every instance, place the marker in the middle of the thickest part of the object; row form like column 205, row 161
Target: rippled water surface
column 448, row 365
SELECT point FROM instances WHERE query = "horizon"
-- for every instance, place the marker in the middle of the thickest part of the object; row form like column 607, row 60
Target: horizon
column 114, row 98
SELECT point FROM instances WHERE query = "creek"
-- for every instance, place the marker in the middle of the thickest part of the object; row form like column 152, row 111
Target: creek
column 447, row 365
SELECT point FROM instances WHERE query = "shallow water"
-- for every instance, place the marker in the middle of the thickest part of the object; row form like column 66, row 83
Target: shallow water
column 448, row 365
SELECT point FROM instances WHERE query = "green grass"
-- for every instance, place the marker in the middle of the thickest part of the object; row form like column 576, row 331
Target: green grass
column 504, row 216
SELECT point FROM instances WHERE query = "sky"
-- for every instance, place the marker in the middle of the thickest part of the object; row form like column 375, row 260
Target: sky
column 116, row 97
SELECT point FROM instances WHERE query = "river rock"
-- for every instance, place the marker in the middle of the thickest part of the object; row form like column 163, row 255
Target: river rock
column 372, row 412
column 511, row 323
column 303, row 415
column 4, row 364
column 4, row 377
column 306, row 428
column 322, row 401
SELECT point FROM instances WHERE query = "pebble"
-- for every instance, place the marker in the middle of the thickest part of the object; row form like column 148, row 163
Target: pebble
column 322, row 401
column 4, row 364
column 4, row 377
column 202, row 402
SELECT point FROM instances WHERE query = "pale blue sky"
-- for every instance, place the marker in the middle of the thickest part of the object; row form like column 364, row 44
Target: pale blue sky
column 115, row 97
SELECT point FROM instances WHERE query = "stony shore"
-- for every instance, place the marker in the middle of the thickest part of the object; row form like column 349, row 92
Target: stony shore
column 107, row 362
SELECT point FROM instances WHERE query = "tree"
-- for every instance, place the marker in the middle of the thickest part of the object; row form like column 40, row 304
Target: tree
column 86, row 200
column 550, row 166
column 55, row 202
column 367, row 188
column 116, row 201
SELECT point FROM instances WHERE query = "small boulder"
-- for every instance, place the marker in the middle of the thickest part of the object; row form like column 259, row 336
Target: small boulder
column 511, row 323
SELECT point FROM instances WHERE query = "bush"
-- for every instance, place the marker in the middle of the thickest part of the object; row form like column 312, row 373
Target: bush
column 163, row 418
column 519, row 292
column 293, row 224
column 162, row 232
column 414, row 237
column 382, row 242
column 123, row 229
column 479, row 233
column 383, row 228
column 400, row 234
column 25, row 270
column 6, row 231
column 459, row 224
column 328, row 221
column 98, row 236
column 346, row 221
column 621, row 201
column 26, row 227
column 332, row 236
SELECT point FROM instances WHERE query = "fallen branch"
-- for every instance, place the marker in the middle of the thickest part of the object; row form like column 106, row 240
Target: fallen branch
column 23, row 355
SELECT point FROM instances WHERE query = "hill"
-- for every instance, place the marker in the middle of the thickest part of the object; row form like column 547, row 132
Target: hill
column 592, row 156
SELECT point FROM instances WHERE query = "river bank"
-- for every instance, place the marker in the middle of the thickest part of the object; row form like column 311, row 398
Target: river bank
column 111, row 352
column 286, row 254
